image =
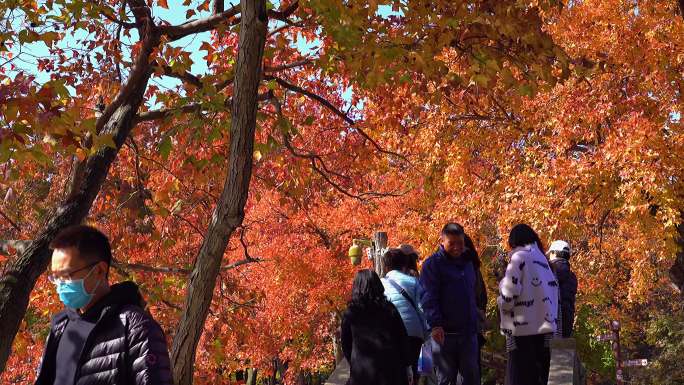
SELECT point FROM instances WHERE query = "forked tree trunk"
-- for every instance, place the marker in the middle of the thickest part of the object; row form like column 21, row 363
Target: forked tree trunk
column 20, row 275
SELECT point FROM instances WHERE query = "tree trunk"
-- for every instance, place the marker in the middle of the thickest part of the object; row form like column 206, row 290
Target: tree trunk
column 229, row 211
column 677, row 269
column 20, row 275
column 380, row 241
column 251, row 376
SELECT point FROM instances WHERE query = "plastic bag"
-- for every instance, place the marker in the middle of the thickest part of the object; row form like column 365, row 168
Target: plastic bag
column 425, row 363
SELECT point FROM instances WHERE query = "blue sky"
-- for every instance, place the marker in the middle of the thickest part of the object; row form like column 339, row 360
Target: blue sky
column 174, row 15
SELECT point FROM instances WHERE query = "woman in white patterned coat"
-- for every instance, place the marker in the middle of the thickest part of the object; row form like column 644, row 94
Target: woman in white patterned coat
column 528, row 304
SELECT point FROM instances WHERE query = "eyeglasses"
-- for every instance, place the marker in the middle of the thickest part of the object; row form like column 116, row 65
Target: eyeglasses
column 66, row 277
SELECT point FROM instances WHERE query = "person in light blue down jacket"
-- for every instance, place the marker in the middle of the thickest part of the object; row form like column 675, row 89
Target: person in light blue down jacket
column 405, row 292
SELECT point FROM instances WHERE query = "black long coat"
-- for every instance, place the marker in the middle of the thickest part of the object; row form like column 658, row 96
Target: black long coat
column 375, row 343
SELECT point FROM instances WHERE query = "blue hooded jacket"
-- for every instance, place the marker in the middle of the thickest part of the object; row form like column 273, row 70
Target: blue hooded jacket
column 449, row 298
column 413, row 318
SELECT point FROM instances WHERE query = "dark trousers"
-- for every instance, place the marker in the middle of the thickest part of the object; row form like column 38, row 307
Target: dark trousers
column 458, row 355
column 415, row 344
column 528, row 363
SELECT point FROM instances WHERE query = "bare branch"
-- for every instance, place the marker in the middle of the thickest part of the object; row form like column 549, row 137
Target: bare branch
column 13, row 246
column 194, row 227
column 178, row 270
column 11, row 222
column 124, row 24
column 325, row 103
column 175, row 32
column 185, row 76
column 164, row 113
column 299, row 63
column 476, row 117
column 285, row 13
column 149, row 36
column 217, row 7
column 284, row 27
column 315, row 159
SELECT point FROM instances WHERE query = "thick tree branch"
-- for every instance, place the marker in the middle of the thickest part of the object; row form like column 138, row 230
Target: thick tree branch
column 119, row 22
column 217, row 7
column 229, row 211
column 283, row 14
column 676, row 271
column 164, row 113
column 175, row 32
column 185, row 76
column 325, row 103
column 11, row 222
column 21, row 273
column 179, row 270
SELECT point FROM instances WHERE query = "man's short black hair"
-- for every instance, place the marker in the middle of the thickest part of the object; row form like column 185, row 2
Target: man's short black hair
column 91, row 243
column 394, row 259
column 452, row 228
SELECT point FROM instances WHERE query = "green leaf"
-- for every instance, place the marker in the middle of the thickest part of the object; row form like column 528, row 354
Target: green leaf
column 481, row 80
column 165, row 147
column 214, row 134
column 40, row 157
column 104, row 140
column 525, row 90
column 11, row 111
column 177, row 206
column 49, row 38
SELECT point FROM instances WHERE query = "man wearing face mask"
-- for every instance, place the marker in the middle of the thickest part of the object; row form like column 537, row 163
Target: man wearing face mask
column 448, row 279
column 104, row 335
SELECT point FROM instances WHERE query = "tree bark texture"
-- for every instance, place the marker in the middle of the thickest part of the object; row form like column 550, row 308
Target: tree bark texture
column 229, row 211
column 677, row 269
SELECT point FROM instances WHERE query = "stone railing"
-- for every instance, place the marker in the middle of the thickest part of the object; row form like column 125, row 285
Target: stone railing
column 340, row 375
column 566, row 368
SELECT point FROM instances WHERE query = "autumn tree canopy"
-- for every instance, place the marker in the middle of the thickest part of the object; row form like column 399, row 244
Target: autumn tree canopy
column 231, row 151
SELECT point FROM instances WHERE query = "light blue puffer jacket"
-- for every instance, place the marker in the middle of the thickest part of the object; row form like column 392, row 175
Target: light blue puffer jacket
column 414, row 322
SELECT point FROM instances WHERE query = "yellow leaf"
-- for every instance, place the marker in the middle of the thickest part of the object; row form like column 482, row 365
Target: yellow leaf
column 164, row 4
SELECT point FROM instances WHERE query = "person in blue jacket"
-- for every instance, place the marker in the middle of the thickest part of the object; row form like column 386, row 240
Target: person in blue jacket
column 404, row 291
column 448, row 279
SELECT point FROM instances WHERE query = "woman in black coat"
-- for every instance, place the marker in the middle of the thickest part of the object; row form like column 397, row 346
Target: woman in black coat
column 374, row 339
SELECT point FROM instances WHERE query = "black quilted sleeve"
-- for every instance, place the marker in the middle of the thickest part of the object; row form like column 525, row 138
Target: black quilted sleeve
column 147, row 351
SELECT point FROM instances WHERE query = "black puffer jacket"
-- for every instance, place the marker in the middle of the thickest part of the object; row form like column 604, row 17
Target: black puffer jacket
column 126, row 346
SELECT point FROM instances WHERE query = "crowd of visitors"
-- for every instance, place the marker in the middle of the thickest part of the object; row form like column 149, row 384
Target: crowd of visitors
column 436, row 313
